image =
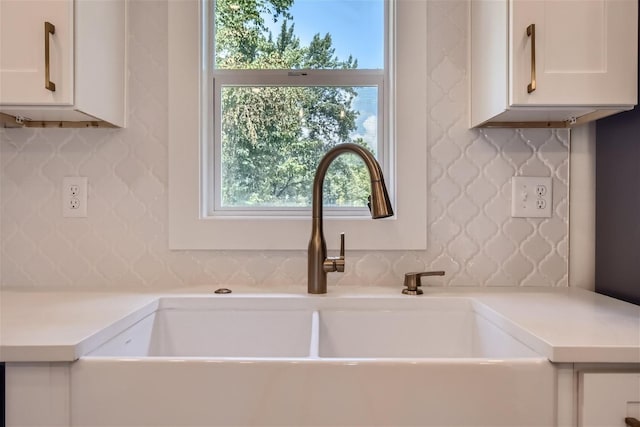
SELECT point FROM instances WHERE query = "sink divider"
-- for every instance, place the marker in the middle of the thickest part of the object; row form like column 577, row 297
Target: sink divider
column 314, row 344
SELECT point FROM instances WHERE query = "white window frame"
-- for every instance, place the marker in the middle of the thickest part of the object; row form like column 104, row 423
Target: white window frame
column 191, row 228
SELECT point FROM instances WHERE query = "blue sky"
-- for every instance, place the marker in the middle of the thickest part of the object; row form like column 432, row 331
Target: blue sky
column 356, row 27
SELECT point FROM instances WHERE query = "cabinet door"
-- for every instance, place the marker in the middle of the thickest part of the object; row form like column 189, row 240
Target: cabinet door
column 606, row 399
column 585, row 52
column 22, row 52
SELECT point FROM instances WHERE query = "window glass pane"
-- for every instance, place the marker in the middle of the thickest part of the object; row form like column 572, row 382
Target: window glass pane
column 297, row 34
column 272, row 139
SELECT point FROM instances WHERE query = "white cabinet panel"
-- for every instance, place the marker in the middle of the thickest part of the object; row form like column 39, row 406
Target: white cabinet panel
column 87, row 62
column 606, row 399
column 580, row 55
column 37, row 394
column 584, row 52
column 22, row 52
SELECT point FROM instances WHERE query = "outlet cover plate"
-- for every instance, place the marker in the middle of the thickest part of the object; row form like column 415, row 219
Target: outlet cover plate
column 74, row 196
column 531, row 197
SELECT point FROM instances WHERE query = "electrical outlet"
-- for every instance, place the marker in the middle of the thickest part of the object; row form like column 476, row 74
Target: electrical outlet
column 531, row 197
column 74, row 196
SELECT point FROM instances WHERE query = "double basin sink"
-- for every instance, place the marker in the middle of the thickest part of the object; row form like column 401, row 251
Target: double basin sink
column 316, row 328
column 242, row 360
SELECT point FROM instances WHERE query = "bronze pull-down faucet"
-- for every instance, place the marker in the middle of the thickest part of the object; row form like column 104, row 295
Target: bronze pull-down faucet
column 379, row 204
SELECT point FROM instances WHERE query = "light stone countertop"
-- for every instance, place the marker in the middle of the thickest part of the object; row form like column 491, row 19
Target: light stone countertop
column 566, row 325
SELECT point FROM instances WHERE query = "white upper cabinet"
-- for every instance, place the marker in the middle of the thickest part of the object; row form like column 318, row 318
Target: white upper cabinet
column 552, row 63
column 63, row 61
column 23, row 42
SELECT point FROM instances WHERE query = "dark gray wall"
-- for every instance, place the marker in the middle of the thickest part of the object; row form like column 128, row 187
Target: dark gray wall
column 618, row 205
column 2, row 398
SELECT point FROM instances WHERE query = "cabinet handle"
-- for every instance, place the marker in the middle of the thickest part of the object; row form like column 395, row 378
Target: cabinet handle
column 49, row 28
column 531, row 32
column 632, row 422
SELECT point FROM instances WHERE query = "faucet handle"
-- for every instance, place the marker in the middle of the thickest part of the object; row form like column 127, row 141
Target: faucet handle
column 412, row 281
column 335, row 263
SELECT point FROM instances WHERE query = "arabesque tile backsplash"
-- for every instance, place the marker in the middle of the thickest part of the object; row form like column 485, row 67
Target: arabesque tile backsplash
column 124, row 241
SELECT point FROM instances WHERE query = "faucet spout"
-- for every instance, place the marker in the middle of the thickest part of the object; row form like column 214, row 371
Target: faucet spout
column 379, row 204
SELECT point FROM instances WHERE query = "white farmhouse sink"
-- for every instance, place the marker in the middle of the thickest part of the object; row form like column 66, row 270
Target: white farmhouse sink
column 237, row 328
column 452, row 333
column 231, row 333
column 215, row 333
column 314, row 361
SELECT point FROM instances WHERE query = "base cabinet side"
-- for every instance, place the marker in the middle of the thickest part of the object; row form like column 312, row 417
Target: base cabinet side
column 37, row 394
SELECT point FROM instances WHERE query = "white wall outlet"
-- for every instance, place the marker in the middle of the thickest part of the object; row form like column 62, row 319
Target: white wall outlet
column 531, row 197
column 74, row 196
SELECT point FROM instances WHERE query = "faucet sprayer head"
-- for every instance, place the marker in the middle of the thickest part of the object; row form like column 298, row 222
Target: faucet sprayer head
column 379, row 202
